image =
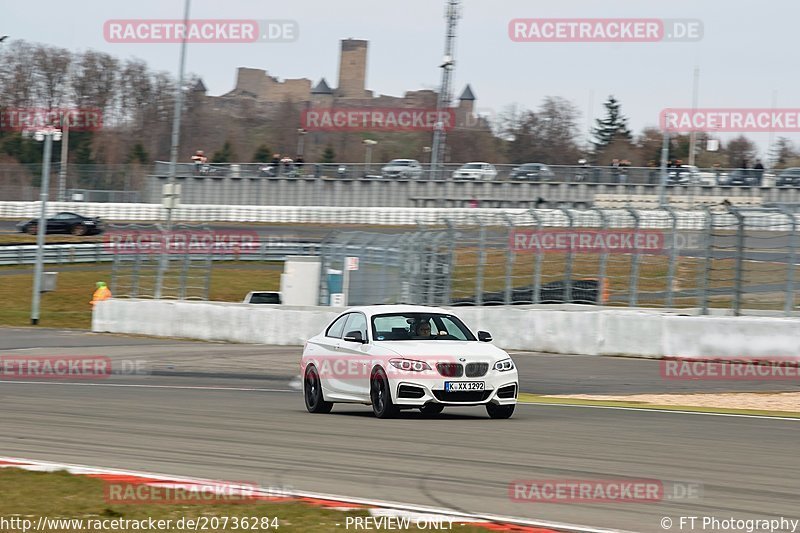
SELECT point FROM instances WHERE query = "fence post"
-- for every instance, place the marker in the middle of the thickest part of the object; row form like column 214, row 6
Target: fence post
column 672, row 257
column 705, row 282
column 788, row 306
column 451, row 234
column 509, row 260
column 737, row 296
column 602, row 278
column 568, row 265
column 537, row 265
column 481, row 261
column 634, row 280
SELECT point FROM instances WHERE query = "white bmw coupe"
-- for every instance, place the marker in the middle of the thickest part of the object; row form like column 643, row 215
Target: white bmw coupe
column 397, row 357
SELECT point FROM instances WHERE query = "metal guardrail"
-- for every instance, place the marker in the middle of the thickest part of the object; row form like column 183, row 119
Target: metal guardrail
column 100, row 252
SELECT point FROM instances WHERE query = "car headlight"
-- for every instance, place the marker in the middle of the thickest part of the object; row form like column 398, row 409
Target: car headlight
column 410, row 365
column 504, row 366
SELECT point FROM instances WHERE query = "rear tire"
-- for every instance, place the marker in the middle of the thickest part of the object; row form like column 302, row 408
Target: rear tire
column 500, row 411
column 431, row 409
column 312, row 392
column 381, row 395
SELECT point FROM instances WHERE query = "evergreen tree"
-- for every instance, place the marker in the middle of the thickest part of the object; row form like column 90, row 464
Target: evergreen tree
column 262, row 154
column 138, row 155
column 225, row 155
column 328, row 156
column 613, row 126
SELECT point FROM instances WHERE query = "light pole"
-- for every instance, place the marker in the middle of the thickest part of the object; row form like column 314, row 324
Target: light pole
column 47, row 135
column 62, row 171
column 369, row 143
column 662, row 186
column 173, row 159
column 301, row 135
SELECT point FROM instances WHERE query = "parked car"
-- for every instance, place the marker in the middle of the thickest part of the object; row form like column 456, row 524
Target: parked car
column 739, row 176
column 476, row 171
column 532, row 171
column 397, row 357
column 262, row 297
column 789, row 176
column 690, row 175
column 402, row 168
column 64, row 222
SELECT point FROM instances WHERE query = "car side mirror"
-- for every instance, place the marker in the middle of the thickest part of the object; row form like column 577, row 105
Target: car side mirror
column 354, row 336
column 484, row 336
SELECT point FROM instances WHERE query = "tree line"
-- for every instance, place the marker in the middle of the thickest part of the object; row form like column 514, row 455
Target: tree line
column 137, row 105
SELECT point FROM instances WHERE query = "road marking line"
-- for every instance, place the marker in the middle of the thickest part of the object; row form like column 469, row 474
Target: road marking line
column 141, row 386
column 646, row 409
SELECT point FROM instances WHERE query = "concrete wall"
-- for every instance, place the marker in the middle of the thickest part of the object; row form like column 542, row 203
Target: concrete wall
column 349, row 192
column 574, row 330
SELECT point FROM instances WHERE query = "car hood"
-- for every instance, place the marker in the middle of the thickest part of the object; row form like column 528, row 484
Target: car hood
column 472, row 351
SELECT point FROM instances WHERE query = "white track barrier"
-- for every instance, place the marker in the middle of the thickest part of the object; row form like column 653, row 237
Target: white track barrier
column 585, row 332
column 384, row 216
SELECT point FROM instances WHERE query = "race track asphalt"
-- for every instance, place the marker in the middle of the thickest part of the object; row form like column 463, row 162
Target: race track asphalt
column 257, row 430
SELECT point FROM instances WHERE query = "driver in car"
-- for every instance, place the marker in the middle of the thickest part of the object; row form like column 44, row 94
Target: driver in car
column 424, row 329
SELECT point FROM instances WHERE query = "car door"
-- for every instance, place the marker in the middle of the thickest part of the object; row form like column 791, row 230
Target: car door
column 325, row 354
column 58, row 224
column 354, row 382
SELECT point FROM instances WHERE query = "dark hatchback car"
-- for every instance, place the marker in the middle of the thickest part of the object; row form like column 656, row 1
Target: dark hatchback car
column 64, row 222
column 789, row 176
column 532, row 171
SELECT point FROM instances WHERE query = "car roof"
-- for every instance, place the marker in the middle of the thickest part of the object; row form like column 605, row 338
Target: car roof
column 371, row 310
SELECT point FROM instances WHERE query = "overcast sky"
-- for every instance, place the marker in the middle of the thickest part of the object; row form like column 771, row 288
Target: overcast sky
column 748, row 51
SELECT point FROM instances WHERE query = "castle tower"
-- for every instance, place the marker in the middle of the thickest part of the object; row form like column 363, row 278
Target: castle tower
column 352, row 69
column 322, row 95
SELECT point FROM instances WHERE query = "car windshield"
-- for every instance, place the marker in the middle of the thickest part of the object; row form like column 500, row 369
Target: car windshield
column 419, row 326
column 471, row 166
column 400, row 163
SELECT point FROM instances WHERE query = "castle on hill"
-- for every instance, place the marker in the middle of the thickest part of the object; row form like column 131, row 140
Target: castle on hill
column 255, row 88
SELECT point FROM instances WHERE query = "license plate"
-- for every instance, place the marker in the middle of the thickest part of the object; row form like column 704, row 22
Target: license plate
column 458, row 386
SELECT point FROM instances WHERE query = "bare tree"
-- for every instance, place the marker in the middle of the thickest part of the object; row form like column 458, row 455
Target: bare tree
column 51, row 70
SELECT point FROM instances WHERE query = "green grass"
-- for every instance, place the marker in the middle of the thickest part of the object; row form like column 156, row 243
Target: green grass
column 68, row 306
column 545, row 400
column 30, row 495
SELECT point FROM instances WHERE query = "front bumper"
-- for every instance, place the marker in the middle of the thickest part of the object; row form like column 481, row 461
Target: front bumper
column 501, row 388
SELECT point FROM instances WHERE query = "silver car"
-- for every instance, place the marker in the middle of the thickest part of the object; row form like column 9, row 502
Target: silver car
column 402, row 168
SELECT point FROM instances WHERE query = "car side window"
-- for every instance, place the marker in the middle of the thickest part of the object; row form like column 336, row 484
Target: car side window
column 357, row 322
column 337, row 328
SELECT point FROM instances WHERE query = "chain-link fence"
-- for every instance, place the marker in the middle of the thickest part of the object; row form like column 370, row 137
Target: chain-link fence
column 732, row 258
column 186, row 273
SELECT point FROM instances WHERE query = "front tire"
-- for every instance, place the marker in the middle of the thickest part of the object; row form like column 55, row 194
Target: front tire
column 33, row 229
column 78, row 230
column 499, row 411
column 381, row 395
column 312, row 392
